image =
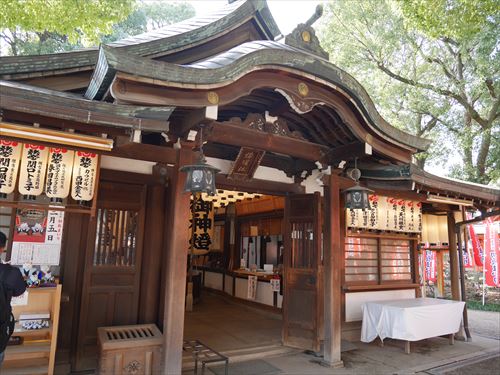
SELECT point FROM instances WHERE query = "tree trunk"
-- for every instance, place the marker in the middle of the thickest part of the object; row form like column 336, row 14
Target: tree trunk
column 482, row 156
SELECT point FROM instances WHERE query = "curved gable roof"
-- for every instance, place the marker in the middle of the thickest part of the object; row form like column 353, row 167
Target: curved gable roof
column 152, row 44
column 235, row 63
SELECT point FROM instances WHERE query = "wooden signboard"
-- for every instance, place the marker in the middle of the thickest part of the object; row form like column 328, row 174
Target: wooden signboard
column 246, row 163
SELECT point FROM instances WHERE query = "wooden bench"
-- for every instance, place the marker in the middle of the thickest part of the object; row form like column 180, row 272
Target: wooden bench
column 204, row 354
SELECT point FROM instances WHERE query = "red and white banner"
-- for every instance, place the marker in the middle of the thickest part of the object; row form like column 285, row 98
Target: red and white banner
column 430, row 265
column 10, row 158
column 491, row 253
column 476, row 245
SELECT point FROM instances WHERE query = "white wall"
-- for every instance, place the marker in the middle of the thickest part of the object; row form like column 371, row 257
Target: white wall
column 127, row 165
column 353, row 301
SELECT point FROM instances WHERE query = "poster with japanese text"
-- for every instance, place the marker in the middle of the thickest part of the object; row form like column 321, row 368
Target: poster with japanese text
column 84, row 175
column 430, row 265
column 387, row 213
column 10, row 159
column 59, row 171
column 37, row 237
column 33, row 168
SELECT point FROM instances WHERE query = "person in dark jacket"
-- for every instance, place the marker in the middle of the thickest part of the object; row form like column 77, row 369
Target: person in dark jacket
column 12, row 280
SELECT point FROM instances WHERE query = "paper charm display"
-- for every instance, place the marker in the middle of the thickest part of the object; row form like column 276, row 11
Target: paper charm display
column 33, row 167
column 59, row 172
column 84, row 174
column 10, row 158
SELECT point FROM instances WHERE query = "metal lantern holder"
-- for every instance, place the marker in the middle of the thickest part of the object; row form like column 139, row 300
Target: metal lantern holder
column 357, row 197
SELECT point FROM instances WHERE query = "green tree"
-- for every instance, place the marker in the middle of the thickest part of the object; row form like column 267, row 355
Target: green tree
column 431, row 67
column 34, row 38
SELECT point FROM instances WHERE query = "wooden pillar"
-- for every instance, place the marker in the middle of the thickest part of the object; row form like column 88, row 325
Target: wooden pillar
column 333, row 259
column 452, row 241
column 175, row 267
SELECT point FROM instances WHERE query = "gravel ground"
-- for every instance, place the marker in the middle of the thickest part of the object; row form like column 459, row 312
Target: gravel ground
column 484, row 323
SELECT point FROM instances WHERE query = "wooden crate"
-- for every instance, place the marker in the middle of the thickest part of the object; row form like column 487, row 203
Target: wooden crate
column 134, row 349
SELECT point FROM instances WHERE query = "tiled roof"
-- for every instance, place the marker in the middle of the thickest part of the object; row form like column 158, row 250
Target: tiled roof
column 155, row 43
column 231, row 65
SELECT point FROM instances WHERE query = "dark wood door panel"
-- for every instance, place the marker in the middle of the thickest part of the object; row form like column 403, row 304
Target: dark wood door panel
column 111, row 285
column 302, row 310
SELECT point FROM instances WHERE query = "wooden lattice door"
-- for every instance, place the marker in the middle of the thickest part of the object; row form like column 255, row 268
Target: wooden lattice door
column 111, row 282
column 302, row 304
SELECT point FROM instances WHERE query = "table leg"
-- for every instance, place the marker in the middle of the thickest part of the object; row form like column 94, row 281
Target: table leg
column 407, row 347
column 381, row 343
column 202, row 368
column 196, row 364
column 226, row 368
column 452, row 338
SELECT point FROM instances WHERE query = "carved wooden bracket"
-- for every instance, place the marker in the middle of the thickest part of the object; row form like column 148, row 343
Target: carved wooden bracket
column 267, row 124
column 299, row 102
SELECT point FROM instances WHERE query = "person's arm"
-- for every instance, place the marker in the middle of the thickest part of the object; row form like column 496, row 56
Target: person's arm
column 15, row 282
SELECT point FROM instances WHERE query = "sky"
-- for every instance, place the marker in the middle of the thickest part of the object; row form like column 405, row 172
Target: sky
column 286, row 13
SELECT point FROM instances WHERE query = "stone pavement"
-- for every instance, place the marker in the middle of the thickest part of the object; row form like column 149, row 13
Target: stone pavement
column 223, row 324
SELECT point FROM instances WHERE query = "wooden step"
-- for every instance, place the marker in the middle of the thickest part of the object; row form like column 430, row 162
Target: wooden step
column 32, row 370
column 27, row 351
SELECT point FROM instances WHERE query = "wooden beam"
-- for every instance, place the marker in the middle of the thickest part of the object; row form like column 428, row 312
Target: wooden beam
column 333, row 259
column 347, row 152
column 175, row 268
column 142, row 151
column 452, row 241
column 236, row 135
column 258, row 186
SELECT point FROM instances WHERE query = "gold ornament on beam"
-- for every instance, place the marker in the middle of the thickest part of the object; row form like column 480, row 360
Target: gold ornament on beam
column 303, row 89
column 213, row 97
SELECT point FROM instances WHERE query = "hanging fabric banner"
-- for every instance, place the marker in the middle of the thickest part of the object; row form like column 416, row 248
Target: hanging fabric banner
column 202, row 221
column 33, row 168
column 476, row 245
column 491, row 253
column 468, row 262
column 387, row 213
column 84, row 174
column 59, row 172
column 10, row 158
column 430, row 265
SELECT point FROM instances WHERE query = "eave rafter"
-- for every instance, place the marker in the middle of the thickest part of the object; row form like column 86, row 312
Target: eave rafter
column 133, row 89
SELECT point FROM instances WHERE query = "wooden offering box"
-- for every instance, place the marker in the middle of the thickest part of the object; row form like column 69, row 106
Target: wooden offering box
column 36, row 355
column 130, row 349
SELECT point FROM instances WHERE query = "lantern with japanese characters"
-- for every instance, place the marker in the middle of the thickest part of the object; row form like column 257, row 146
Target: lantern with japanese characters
column 84, row 175
column 10, row 159
column 33, row 168
column 59, row 174
column 202, row 220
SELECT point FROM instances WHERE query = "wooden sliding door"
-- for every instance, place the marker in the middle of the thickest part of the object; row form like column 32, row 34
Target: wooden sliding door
column 303, row 276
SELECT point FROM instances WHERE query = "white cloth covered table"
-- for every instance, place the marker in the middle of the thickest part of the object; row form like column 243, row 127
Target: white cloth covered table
column 410, row 319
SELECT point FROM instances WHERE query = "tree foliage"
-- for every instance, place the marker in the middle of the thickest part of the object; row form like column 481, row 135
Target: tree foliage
column 430, row 71
column 72, row 18
column 26, row 39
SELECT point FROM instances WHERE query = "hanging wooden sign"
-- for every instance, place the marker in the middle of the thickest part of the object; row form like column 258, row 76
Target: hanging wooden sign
column 10, row 159
column 33, row 168
column 246, row 163
column 59, row 172
column 387, row 213
column 84, row 175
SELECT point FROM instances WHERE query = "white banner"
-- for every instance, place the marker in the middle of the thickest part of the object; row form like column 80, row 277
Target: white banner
column 252, row 287
column 10, row 158
column 386, row 213
column 33, row 168
column 84, row 174
column 59, row 172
